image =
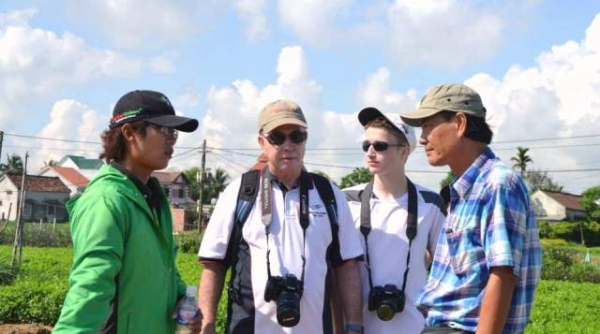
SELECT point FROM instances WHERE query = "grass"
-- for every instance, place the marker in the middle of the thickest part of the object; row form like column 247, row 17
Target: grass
column 37, row 293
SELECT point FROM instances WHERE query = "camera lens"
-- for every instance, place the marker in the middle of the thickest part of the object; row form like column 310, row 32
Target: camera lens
column 385, row 312
column 288, row 309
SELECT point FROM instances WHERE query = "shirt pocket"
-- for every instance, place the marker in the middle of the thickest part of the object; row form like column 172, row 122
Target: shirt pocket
column 466, row 251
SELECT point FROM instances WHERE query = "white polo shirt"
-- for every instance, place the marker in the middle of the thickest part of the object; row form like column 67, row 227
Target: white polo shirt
column 388, row 247
column 286, row 245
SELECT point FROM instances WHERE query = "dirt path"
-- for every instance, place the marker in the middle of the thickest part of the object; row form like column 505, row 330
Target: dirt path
column 25, row 329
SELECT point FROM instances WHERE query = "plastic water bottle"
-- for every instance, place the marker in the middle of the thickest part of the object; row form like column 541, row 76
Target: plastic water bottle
column 187, row 311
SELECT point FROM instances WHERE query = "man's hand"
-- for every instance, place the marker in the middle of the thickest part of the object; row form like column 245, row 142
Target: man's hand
column 194, row 324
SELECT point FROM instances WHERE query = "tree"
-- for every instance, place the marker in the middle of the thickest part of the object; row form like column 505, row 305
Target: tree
column 50, row 163
column 591, row 203
column 194, row 187
column 357, row 176
column 539, row 180
column 521, row 160
column 215, row 184
column 13, row 165
column 447, row 180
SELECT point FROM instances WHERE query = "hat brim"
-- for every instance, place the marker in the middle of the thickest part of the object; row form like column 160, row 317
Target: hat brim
column 368, row 114
column 414, row 118
column 179, row 123
column 283, row 121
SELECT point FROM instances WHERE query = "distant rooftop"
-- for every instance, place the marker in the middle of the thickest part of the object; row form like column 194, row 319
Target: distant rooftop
column 569, row 201
column 168, row 177
column 39, row 183
column 71, row 175
column 82, row 162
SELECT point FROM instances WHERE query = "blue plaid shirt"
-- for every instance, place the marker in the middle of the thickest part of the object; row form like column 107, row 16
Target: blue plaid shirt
column 491, row 223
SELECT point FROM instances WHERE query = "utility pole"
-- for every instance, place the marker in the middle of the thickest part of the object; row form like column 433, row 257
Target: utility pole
column 1, row 142
column 18, row 245
column 201, row 186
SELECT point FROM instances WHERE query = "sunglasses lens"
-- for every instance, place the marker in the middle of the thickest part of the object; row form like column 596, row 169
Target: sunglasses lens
column 276, row 138
column 379, row 146
column 298, row 136
column 365, row 145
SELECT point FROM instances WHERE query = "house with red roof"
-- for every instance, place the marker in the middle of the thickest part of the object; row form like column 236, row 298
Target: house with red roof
column 45, row 197
column 71, row 177
column 557, row 206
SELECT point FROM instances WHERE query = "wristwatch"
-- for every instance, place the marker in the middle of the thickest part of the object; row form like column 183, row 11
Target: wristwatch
column 354, row 328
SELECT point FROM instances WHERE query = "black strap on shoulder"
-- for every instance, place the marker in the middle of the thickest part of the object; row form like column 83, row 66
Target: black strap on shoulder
column 325, row 191
column 327, row 196
column 246, row 198
column 411, row 223
column 247, row 195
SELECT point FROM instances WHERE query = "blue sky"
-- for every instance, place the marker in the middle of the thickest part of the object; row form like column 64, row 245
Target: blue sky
column 536, row 64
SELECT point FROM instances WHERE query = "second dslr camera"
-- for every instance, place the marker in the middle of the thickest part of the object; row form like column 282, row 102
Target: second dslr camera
column 386, row 301
column 286, row 291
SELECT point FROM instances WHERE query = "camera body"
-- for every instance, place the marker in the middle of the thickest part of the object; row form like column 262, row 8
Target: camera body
column 286, row 291
column 386, row 300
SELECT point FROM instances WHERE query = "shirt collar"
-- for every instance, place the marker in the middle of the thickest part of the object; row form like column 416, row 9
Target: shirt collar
column 463, row 184
column 138, row 184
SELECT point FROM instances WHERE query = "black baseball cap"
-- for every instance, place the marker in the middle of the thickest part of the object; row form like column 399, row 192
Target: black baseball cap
column 152, row 107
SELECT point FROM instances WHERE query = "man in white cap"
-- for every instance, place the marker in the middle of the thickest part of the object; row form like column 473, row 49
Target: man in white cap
column 488, row 260
column 284, row 244
column 399, row 222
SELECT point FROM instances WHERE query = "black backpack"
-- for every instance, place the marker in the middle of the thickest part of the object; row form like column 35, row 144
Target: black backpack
column 247, row 197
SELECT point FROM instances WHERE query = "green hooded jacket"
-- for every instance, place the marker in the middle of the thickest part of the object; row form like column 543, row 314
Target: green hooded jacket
column 123, row 278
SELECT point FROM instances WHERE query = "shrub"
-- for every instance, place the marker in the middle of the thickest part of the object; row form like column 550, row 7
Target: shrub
column 189, row 241
column 36, row 235
column 565, row 264
column 571, row 231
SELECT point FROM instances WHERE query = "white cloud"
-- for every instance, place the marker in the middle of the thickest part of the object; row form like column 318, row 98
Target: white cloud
column 442, row 33
column 146, row 24
column 68, row 119
column 312, row 20
column 253, row 13
column 376, row 92
column 163, row 64
column 558, row 97
column 37, row 63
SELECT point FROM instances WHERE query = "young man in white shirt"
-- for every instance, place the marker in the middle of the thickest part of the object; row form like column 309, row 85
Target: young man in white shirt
column 395, row 267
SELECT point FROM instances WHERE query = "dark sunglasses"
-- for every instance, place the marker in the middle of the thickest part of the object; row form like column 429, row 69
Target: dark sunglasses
column 379, row 146
column 278, row 138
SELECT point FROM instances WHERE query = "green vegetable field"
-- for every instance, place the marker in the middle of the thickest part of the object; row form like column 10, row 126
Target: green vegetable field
column 36, row 296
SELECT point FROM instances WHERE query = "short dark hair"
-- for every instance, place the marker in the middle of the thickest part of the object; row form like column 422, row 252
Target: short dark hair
column 477, row 127
column 382, row 123
column 113, row 142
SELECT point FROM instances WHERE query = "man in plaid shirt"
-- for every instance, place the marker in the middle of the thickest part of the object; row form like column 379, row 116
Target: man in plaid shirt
column 488, row 259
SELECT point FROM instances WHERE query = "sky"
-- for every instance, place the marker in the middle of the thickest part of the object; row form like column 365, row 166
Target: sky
column 536, row 64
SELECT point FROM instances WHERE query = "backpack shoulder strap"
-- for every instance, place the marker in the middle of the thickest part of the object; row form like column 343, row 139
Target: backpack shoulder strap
column 327, row 196
column 325, row 191
column 245, row 201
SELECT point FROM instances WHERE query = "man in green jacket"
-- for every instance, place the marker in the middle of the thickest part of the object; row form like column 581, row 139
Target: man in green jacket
column 124, row 278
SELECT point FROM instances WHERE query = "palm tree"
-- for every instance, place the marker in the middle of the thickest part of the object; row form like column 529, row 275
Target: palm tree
column 521, row 160
column 50, row 163
column 216, row 183
column 13, row 165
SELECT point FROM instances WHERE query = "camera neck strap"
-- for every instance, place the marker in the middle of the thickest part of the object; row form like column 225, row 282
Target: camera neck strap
column 411, row 223
column 266, row 200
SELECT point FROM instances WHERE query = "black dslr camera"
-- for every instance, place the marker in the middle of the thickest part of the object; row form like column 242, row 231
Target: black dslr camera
column 386, row 300
column 286, row 291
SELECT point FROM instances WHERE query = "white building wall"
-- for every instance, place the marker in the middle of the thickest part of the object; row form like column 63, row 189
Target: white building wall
column 547, row 208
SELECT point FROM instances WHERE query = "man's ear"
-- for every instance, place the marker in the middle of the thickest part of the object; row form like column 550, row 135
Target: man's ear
column 127, row 131
column 261, row 141
column 461, row 123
